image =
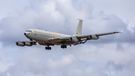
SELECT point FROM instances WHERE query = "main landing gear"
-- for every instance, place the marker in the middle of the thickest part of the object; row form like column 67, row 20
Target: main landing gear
column 63, row 46
column 48, row 48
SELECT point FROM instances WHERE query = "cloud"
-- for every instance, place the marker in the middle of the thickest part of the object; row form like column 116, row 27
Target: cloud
column 9, row 8
column 53, row 14
column 4, row 65
column 64, row 61
column 112, row 66
column 120, row 8
column 99, row 60
column 109, row 56
column 111, row 23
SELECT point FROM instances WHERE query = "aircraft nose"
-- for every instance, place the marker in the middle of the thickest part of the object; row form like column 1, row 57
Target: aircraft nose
column 25, row 34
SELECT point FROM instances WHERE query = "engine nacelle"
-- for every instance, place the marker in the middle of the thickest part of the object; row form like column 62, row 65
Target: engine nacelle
column 28, row 43
column 74, row 39
column 95, row 37
column 19, row 43
column 25, row 43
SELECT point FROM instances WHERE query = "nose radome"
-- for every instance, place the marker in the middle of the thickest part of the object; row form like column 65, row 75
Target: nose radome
column 25, row 34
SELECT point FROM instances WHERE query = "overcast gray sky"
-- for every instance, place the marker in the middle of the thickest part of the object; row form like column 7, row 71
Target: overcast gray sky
column 109, row 56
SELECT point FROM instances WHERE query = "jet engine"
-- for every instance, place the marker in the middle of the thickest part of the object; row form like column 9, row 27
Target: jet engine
column 28, row 43
column 25, row 43
column 74, row 39
column 19, row 43
column 94, row 37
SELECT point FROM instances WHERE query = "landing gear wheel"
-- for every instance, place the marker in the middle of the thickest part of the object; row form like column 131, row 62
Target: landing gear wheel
column 48, row 48
column 63, row 46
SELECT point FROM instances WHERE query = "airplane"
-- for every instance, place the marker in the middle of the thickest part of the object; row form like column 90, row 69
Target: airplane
column 48, row 38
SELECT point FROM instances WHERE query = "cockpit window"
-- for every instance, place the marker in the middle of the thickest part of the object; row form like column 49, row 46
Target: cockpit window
column 28, row 31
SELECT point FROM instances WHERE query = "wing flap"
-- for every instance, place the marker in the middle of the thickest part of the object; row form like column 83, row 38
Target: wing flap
column 59, row 39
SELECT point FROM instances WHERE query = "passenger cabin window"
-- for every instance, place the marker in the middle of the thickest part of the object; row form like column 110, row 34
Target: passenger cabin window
column 28, row 31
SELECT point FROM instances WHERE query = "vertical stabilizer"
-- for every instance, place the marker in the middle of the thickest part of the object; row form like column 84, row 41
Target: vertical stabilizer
column 79, row 28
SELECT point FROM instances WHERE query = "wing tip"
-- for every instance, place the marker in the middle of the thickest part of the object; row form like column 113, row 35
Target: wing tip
column 117, row 32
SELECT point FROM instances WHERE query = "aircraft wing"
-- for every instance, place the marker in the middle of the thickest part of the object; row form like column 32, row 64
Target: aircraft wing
column 102, row 34
column 59, row 39
column 94, row 36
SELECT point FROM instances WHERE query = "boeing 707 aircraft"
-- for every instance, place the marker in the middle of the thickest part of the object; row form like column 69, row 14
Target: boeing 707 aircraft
column 48, row 38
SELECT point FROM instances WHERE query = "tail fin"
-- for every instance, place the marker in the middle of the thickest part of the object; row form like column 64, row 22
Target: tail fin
column 79, row 28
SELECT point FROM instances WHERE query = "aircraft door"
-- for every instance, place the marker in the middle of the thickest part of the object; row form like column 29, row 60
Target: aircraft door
column 35, row 32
